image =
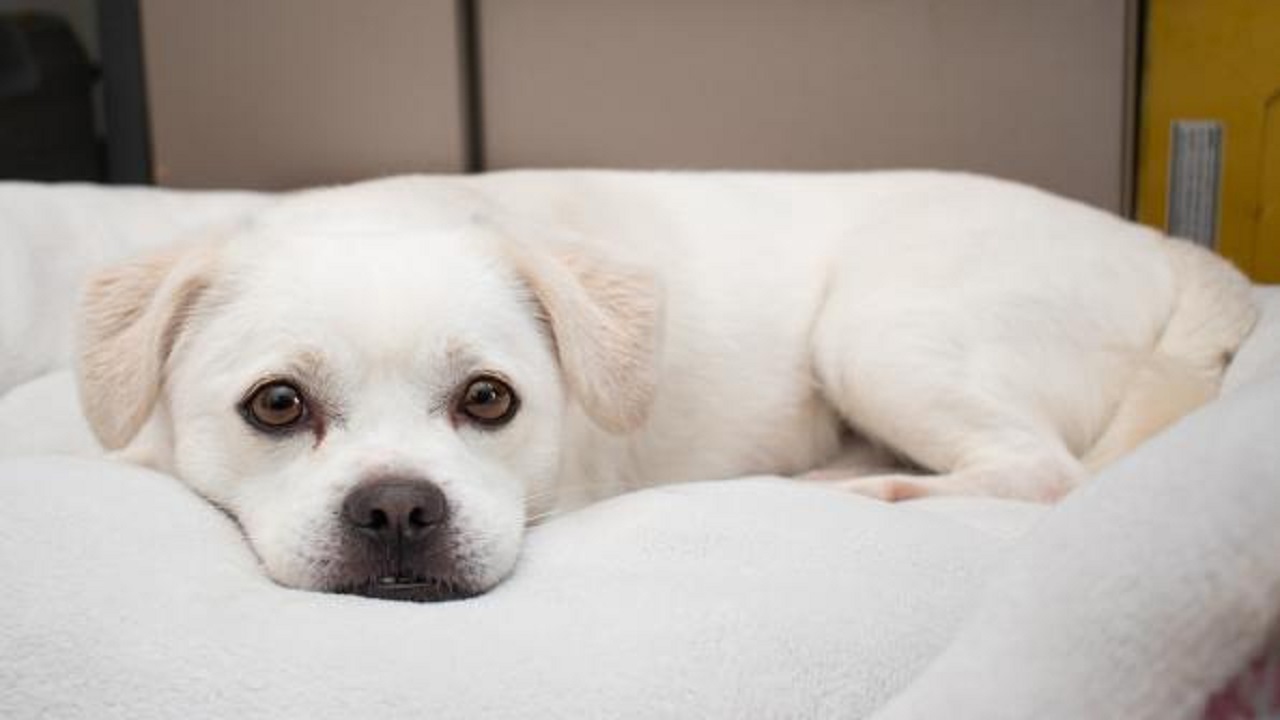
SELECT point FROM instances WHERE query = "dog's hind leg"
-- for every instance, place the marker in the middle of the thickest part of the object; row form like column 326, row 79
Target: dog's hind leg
column 919, row 390
column 1004, row 463
column 1045, row 482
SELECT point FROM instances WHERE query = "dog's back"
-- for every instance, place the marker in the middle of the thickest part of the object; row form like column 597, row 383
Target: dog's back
column 925, row 283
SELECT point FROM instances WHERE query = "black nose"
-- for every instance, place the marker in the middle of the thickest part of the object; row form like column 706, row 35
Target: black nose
column 396, row 510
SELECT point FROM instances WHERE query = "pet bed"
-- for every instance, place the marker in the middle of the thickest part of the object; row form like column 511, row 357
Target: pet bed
column 126, row 596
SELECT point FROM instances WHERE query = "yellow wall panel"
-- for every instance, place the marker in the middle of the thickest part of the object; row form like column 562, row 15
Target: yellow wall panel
column 1218, row 60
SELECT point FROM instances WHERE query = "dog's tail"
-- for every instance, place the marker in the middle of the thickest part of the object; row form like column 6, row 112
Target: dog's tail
column 1213, row 313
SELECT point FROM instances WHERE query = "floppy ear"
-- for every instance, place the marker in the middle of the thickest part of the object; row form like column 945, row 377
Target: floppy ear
column 131, row 315
column 604, row 320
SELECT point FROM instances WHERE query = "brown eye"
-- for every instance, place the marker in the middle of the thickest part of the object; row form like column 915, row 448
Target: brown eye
column 275, row 406
column 488, row 401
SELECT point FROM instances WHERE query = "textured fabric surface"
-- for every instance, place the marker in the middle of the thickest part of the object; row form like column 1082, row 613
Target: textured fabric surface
column 1141, row 594
column 126, row 596
column 1259, row 357
column 1253, row 694
column 51, row 236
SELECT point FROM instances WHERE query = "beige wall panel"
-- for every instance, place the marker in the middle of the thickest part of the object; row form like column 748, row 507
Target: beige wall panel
column 1028, row 89
column 288, row 93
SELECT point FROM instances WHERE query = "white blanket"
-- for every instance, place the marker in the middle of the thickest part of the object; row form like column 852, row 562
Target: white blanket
column 52, row 236
column 126, row 596
column 1141, row 594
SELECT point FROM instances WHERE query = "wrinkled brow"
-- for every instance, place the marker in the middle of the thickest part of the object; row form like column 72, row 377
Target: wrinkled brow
column 459, row 359
column 307, row 364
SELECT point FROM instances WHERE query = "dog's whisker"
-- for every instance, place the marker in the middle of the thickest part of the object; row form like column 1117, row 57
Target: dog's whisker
column 543, row 517
column 554, row 497
column 561, row 489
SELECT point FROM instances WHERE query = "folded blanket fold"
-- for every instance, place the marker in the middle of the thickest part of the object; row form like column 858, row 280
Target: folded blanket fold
column 1139, row 596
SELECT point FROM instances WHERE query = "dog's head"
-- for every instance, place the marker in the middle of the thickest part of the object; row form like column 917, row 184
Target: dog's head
column 380, row 409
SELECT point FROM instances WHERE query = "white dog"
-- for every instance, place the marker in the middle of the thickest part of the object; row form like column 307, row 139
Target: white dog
column 385, row 382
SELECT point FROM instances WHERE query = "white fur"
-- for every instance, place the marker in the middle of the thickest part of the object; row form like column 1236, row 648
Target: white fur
column 724, row 324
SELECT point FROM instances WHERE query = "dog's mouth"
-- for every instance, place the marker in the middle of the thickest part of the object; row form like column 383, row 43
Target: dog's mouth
column 409, row 589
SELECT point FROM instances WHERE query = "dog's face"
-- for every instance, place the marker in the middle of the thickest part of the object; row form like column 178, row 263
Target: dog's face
column 374, row 415
column 379, row 411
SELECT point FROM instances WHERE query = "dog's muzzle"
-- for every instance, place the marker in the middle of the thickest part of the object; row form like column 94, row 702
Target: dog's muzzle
column 400, row 545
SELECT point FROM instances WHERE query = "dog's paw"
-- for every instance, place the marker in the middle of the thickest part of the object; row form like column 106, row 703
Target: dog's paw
column 1030, row 486
column 890, row 488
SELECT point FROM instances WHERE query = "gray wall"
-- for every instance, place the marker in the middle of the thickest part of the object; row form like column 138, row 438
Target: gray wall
column 286, row 93
column 296, row 92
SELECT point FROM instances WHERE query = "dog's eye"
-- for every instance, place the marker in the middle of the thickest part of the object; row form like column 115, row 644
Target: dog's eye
column 276, row 406
column 488, row 401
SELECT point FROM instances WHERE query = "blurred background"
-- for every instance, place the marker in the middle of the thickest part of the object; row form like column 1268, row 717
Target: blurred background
column 1164, row 110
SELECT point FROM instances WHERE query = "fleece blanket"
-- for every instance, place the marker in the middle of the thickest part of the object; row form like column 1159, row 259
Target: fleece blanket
column 50, row 238
column 126, row 596
column 1142, row 594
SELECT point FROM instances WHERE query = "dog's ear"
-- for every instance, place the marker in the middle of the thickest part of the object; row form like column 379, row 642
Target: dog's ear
column 131, row 316
column 604, row 321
